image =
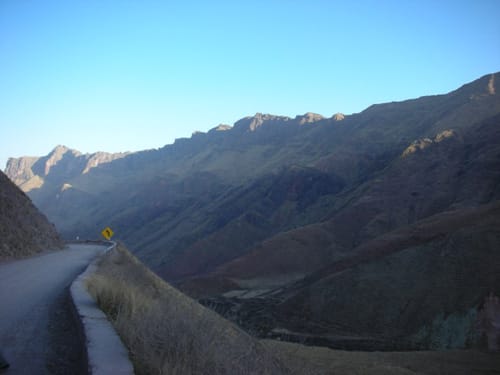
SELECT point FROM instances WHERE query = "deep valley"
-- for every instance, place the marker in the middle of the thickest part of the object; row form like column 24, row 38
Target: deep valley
column 376, row 231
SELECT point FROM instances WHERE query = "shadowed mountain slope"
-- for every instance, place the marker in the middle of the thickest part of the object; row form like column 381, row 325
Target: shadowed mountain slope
column 451, row 172
column 422, row 285
column 23, row 229
column 211, row 189
column 241, row 214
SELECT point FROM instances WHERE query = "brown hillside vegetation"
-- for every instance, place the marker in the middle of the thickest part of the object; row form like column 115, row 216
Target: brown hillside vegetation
column 169, row 333
column 425, row 285
column 323, row 361
column 23, row 229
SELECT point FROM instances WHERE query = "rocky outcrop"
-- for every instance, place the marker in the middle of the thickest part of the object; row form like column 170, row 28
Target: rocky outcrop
column 309, row 118
column 423, row 143
column 252, row 123
column 19, row 169
column 99, row 158
column 221, row 128
column 491, row 85
column 338, row 116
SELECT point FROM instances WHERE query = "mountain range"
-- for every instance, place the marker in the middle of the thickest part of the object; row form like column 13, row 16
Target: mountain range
column 376, row 230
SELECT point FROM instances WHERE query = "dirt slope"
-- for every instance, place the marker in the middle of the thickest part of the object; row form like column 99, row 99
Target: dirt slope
column 24, row 230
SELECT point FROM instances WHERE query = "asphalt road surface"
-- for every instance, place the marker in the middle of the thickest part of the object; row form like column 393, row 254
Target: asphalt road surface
column 33, row 307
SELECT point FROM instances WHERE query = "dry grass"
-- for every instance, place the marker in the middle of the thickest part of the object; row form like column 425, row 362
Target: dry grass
column 169, row 333
column 326, row 361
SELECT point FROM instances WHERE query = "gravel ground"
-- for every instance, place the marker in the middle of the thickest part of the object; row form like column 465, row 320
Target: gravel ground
column 66, row 352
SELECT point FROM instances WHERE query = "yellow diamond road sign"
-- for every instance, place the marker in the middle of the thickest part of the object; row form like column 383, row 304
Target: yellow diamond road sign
column 107, row 233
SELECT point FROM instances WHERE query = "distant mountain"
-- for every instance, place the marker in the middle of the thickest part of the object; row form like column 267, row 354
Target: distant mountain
column 23, row 229
column 60, row 165
column 259, row 216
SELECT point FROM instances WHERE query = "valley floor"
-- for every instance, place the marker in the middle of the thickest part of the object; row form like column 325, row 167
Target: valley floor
column 318, row 360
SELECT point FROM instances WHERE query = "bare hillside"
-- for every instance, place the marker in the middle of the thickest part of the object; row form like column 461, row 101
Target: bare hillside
column 23, row 229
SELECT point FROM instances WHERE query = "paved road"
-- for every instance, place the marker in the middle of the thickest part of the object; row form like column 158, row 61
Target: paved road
column 29, row 289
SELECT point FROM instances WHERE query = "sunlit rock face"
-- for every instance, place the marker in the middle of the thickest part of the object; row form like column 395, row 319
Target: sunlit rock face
column 338, row 116
column 59, row 166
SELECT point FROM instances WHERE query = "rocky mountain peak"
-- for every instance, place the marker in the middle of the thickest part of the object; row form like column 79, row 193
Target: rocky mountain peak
column 56, row 155
column 220, row 128
column 338, row 116
column 308, row 118
column 252, row 123
column 60, row 149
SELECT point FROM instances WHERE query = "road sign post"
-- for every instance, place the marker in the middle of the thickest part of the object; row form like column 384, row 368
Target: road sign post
column 107, row 233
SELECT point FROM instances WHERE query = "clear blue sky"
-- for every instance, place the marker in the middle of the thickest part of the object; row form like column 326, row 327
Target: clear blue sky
column 130, row 75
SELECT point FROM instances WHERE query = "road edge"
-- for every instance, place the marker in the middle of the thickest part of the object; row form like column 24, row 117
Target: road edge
column 106, row 353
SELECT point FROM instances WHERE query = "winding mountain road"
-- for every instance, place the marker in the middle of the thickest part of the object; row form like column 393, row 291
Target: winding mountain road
column 31, row 302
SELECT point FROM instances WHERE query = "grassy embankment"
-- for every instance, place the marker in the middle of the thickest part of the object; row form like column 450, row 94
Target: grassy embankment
column 169, row 333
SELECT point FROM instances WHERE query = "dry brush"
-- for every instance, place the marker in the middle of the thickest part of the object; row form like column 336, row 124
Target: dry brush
column 169, row 333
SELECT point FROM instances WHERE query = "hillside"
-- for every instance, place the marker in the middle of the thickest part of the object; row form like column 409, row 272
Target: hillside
column 263, row 176
column 256, row 218
column 167, row 332
column 437, row 275
column 23, row 229
column 452, row 172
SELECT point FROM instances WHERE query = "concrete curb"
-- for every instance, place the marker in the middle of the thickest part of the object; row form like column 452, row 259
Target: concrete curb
column 105, row 351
